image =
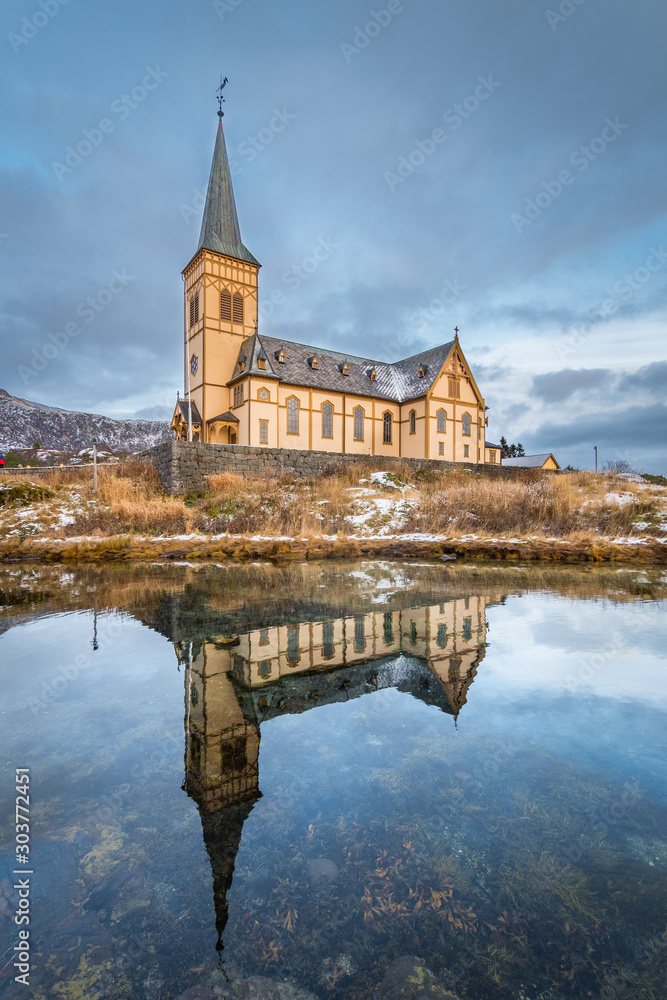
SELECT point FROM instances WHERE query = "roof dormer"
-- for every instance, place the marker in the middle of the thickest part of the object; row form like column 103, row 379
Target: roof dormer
column 313, row 362
column 372, row 374
column 280, row 356
column 345, row 368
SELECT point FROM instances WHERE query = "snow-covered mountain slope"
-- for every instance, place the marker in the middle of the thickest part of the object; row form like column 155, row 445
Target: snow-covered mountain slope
column 23, row 423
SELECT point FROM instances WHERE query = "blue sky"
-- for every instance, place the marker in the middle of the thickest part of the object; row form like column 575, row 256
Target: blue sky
column 496, row 167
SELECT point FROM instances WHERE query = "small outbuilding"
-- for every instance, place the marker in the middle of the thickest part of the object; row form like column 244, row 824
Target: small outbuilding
column 546, row 461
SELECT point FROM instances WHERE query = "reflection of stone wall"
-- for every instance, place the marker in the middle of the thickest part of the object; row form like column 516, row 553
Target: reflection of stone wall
column 184, row 465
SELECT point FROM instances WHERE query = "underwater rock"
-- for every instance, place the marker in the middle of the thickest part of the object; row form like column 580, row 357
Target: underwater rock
column 198, row 993
column 322, row 870
column 408, row 978
column 260, row 988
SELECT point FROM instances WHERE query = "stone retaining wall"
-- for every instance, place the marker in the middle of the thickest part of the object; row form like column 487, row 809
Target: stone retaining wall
column 183, row 466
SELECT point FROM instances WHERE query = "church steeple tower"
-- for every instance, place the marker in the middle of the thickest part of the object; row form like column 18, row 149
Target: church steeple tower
column 220, row 230
column 220, row 286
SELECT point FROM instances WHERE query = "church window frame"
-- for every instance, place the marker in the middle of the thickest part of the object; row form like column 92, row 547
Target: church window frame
column 466, row 423
column 466, row 451
column 237, row 309
column 264, row 432
column 194, row 309
column 359, row 420
column 293, row 650
column 327, row 420
column 226, row 305
column 328, row 643
column 387, row 421
column 264, row 395
column 239, row 394
column 492, row 457
column 442, row 421
column 359, row 634
column 441, row 447
column 453, row 387
column 413, row 421
column 293, row 415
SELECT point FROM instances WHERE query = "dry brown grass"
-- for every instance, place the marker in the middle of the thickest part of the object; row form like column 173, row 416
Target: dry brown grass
column 568, row 505
column 130, row 500
column 572, row 506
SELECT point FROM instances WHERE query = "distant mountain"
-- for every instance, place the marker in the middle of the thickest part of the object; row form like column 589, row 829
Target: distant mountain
column 23, row 423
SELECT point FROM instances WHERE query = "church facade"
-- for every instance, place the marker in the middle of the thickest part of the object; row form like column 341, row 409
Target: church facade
column 245, row 388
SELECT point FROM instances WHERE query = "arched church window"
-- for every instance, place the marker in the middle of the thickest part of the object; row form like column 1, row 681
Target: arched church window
column 413, row 421
column 358, row 423
column 226, row 305
column 386, row 427
column 327, row 420
column 238, row 307
column 442, row 421
column 466, row 423
column 292, row 415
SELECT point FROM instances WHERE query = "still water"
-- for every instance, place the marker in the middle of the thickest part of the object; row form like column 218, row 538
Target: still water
column 349, row 781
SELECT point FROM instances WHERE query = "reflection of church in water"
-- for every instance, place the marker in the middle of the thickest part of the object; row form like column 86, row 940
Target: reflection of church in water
column 234, row 683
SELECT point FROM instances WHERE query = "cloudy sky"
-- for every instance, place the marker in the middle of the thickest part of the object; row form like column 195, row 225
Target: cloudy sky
column 499, row 167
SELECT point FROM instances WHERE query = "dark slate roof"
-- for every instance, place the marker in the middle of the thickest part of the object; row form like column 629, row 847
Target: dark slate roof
column 183, row 406
column 488, row 444
column 227, row 417
column 220, row 225
column 396, row 382
column 529, row 461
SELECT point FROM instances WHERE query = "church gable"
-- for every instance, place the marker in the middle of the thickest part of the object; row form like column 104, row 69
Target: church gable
column 454, row 375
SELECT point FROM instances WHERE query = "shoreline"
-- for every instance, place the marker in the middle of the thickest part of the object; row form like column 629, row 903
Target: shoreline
column 246, row 548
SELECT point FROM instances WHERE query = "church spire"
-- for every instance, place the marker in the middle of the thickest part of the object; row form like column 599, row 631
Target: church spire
column 220, row 225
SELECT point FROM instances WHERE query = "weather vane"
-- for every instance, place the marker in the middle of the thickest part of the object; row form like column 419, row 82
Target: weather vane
column 221, row 100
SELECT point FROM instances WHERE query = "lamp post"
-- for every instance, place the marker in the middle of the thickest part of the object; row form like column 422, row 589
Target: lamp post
column 95, row 465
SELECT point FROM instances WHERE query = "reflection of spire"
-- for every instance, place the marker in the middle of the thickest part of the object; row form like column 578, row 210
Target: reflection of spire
column 222, row 838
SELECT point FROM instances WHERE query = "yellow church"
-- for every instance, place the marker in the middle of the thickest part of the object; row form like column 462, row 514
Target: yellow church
column 245, row 388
